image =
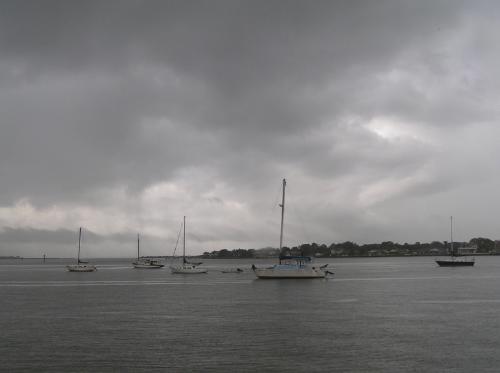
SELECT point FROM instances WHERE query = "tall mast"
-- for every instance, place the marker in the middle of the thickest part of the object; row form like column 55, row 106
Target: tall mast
column 282, row 214
column 79, row 244
column 451, row 235
column 184, row 243
column 138, row 246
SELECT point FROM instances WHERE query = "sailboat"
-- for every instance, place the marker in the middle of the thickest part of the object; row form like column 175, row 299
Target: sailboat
column 455, row 259
column 186, row 267
column 289, row 266
column 81, row 266
column 146, row 263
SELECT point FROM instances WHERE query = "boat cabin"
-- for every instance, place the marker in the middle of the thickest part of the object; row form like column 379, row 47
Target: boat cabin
column 299, row 261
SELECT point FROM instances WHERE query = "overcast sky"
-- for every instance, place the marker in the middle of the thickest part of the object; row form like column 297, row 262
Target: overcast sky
column 124, row 116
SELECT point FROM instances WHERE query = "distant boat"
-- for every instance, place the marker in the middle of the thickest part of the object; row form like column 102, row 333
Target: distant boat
column 232, row 270
column 186, row 267
column 146, row 263
column 289, row 266
column 81, row 266
column 455, row 259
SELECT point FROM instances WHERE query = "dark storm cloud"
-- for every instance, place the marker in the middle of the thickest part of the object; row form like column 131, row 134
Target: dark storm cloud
column 87, row 74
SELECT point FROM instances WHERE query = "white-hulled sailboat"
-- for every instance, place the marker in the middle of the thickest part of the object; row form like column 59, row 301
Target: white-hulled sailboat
column 146, row 263
column 290, row 266
column 186, row 267
column 80, row 265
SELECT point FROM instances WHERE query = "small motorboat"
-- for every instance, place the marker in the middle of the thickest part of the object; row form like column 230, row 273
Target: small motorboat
column 232, row 270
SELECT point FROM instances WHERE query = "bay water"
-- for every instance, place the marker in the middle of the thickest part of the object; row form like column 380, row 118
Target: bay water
column 401, row 314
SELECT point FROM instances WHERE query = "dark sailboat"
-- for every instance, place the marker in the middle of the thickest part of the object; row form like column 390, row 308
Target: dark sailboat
column 455, row 260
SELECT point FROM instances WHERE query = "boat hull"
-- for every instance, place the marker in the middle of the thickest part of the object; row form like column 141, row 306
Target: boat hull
column 273, row 273
column 455, row 263
column 81, row 268
column 188, row 270
column 148, row 266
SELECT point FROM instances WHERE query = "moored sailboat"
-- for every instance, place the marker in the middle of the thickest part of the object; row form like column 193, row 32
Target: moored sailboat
column 455, row 259
column 289, row 266
column 81, row 266
column 146, row 263
column 186, row 267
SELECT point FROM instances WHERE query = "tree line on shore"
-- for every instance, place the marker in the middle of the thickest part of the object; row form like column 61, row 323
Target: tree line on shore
column 477, row 245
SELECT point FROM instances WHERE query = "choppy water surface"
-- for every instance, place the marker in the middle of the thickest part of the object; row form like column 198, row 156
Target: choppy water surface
column 375, row 315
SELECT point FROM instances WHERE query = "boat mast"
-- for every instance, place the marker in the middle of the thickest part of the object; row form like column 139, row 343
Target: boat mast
column 282, row 214
column 451, row 235
column 79, row 244
column 184, row 243
column 138, row 246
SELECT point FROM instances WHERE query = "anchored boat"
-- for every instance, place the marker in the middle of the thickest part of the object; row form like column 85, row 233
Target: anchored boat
column 455, row 259
column 146, row 263
column 186, row 267
column 232, row 270
column 290, row 266
column 81, row 266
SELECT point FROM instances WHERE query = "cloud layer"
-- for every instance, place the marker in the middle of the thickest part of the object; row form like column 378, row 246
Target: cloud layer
column 124, row 116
